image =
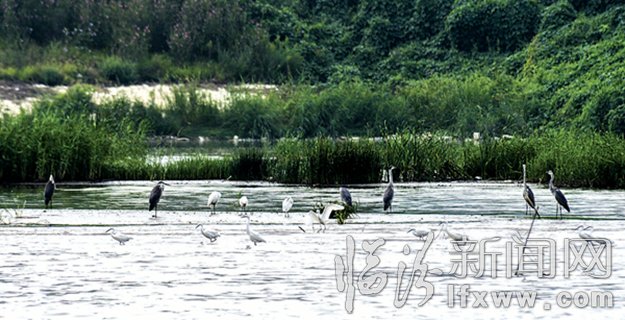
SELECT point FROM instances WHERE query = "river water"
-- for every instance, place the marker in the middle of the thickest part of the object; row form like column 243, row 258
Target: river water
column 60, row 263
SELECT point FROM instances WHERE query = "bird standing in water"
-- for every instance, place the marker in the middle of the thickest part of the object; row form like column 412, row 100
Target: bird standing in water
column 49, row 191
column 254, row 236
column 287, row 204
column 213, row 198
column 118, row 236
column 560, row 199
column 209, row 234
column 243, row 202
column 155, row 196
column 389, row 192
column 528, row 195
column 346, row 197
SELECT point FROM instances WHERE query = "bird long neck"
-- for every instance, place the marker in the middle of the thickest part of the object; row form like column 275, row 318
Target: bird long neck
column 248, row 225
column 524, row 181
column 551, row 187
column 390, row 177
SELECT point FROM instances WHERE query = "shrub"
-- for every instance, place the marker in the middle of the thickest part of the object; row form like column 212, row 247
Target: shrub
column 45, row 74
column 119, row 71
column 492, row 24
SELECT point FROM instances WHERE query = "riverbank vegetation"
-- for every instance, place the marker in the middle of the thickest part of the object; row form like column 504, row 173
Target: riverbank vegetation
column 74, row 139
column 423, row 75
column 512, row 66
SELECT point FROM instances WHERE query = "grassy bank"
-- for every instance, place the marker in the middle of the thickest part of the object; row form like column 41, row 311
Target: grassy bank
column 73, row 138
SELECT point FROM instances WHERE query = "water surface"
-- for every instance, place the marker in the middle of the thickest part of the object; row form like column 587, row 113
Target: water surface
column 59, row 263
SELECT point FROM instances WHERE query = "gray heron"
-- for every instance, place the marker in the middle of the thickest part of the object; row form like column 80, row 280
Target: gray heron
column 155, row 196
column 287, row 204
column 209, row 234
column 389, row 192
column 49, row 191
column 254, row 236
column 346, row 197
column 528, row 195
column 213, row 198
column 560, row 199
column 324, row 217
column 118, row 236
column 243, row 202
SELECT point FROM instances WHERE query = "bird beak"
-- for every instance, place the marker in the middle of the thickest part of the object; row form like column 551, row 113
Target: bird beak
column 108, row 230
column 198, row 226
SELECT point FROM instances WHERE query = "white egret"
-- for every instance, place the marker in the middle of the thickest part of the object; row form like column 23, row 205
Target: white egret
column 213, row 198
column 585, row 232
column 419, row 233
column 560, row 199
column 389, row 192
column 209, row 234
column 155, row 196
column 254, row 237
column 49, row 191
column 458, row 237
column 243, row 202
column 324, row 217
column 287, row 204
column 118, row 236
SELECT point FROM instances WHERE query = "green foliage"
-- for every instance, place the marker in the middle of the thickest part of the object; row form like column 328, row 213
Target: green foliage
column 46, row 74
column 429, row 16
column 595, row 6
column 118, row 70
column 492, row 24
column 557, row 15
column 326, row 162
column 59, row 137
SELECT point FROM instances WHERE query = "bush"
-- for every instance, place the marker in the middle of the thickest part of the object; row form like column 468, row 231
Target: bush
column 154, row 69
column 119, row 71
column 46, row 74
column 557, row 15
column 492, row 24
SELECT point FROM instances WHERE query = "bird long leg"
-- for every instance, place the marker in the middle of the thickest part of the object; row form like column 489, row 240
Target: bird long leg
column 527, row 208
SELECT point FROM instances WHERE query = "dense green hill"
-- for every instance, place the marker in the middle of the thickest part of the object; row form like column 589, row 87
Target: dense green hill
column 495, row 66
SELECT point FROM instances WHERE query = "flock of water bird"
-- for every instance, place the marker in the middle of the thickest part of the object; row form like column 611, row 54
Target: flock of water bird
column 585, row 232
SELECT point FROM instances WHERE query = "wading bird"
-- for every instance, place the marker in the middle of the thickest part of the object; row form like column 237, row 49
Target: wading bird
column 346, row 197
column 243, row 202
column 213, row 198
column 458, row 237
column 155, row 196
column 118, row 236
column 389, row 192
column 325, row 216
column 49, row 191
column 210, row 235
column 560, row 199
column 419, row 233
column 585, row 232
column 287, row 204
column 528, row 195
column 255, row 237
